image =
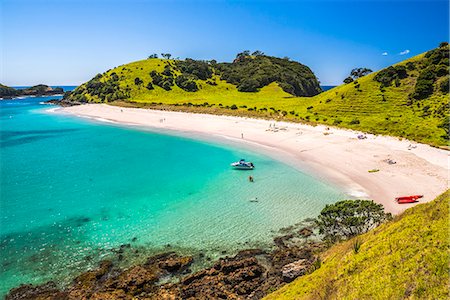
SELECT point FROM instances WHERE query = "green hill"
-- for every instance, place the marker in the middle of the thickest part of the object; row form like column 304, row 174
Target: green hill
column 407, row 100
column 407, row 258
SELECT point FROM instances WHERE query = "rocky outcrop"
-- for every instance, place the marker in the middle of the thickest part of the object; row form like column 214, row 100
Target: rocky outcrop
column 250, row 274
column 295, row 269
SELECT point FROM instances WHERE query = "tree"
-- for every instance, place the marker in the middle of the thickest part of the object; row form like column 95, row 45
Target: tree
column 359, row 72
column 166, row 55
column 345, row 219
column 349, row 79
column 257, row 53
column 154, row 55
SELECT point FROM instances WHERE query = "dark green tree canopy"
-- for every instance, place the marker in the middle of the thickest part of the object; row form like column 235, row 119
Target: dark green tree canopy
column 359, row 72
column 345, row 219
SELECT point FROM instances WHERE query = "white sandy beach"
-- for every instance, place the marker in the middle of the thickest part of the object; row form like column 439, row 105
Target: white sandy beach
column 334, row 155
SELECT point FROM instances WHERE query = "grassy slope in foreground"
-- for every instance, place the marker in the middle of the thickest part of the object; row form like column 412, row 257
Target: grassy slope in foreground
column 360, row 106
column 405, row 258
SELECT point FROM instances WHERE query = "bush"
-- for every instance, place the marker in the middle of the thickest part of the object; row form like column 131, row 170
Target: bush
column 150, row 86
column 354, row 122
column 348, row 80
column 424, row 84
column 410, row 66
column 186, row 83
column 444, row 85
column 386, row 76
column 167, row 85
column 441, row 70
column 138, row 81
column 199, row 69
column 248, row 85
column 234, row 107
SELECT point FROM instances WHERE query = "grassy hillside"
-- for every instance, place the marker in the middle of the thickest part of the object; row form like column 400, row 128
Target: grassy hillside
column 407, row 258
column 387, row 106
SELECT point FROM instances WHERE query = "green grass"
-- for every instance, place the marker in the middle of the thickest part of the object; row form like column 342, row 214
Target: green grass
column 366, row 108
column 407, row 258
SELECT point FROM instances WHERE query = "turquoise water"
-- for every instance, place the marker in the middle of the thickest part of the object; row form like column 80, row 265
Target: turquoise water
column 73, row 189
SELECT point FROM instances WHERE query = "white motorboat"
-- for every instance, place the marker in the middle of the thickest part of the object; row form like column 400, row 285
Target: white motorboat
column 243, row 165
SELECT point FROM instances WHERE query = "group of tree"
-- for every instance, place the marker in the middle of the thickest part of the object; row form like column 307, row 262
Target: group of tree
column 103, row 89
column 386, row 76
column 251, row 72
column 436, row 66
column 357, row 73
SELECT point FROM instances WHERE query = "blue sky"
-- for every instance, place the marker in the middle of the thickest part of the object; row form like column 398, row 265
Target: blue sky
column 69, row 41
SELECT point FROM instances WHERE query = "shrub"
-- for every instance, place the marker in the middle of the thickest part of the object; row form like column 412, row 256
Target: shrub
column 348, row 80
column 424, row 84
column 197, row 68
column 150, row 86
column 356, row 245
column 167, row 85
column 233, row 107
column 441, row 70
column 444, row 85
column 410, row 66
column 248, row 85
column 354, row 122
column 186, row 83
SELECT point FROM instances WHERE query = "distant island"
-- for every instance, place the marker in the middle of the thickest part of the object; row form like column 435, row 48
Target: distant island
column 7, row 92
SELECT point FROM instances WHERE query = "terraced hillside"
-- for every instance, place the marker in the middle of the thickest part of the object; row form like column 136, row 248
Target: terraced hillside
column 407, row 258
column 407, row 100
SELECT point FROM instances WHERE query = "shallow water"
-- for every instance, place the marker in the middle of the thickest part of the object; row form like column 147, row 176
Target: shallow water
column 72, row 190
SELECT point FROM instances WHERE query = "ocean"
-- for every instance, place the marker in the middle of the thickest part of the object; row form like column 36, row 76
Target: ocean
column 74, row 190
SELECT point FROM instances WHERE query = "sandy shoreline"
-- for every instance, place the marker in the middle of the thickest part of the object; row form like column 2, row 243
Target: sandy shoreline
column 335, row 155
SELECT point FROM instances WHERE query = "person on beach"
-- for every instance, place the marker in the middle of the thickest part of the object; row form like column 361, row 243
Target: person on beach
column 242, row 135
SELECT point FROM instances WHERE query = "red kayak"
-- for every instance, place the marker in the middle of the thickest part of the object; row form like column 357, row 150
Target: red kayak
column 408, row 199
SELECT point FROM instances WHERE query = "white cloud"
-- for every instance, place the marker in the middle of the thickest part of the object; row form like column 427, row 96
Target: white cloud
column 405, row 52
column 384, row 53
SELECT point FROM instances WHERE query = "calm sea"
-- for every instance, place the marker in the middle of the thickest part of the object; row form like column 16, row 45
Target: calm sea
column 73, row 191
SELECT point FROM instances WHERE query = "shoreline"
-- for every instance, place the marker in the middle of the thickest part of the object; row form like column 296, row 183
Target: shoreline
column 332, row 155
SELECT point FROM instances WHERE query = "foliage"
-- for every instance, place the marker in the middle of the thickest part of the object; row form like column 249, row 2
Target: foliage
column 349, row 79
column 444, row 85
column 345, row 219
column 386, row 76
column 360, row 72
column 407, row 258
column 250, row 73
column 248, row 85
column 186, row 83
column 6, row 91
column 104, row 90
column 199, row 69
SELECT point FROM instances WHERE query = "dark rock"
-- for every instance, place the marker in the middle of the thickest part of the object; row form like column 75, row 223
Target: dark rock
column 176, row 264
column 48, row 290
column 305, row 232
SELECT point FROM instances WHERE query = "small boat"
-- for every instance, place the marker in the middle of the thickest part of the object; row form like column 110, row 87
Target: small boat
column 408, row 199
column 243, row 165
